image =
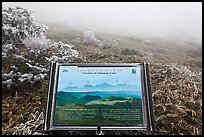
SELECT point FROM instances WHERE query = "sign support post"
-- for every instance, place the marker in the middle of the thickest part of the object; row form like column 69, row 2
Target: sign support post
column 99, row 132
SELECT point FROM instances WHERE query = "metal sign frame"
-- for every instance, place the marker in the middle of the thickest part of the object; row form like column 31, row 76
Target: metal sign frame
column 146, row 91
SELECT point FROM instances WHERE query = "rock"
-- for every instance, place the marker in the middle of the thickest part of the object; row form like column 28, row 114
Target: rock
column 129, row 52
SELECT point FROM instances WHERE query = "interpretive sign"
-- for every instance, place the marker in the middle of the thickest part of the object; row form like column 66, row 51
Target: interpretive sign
column 112, row 96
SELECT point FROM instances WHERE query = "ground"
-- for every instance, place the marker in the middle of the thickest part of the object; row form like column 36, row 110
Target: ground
column 176, row 72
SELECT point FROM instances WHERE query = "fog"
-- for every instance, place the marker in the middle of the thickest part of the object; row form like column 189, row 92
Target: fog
column 179, row 20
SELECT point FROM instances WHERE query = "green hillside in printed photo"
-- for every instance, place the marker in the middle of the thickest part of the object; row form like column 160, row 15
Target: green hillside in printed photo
column 64, row 98
column 72, row 110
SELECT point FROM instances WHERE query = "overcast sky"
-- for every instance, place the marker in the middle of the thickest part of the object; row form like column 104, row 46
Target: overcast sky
column 160, row 19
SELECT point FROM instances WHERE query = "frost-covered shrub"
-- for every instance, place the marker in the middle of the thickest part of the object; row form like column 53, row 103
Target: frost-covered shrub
column 17, row 24
column 35, row 42
column 65, row 52
column 26, row 52
column 89, row 37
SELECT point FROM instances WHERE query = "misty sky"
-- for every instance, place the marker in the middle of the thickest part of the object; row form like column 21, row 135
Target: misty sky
column 160, row 19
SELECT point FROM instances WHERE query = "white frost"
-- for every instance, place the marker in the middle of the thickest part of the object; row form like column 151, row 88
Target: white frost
column 25, row 77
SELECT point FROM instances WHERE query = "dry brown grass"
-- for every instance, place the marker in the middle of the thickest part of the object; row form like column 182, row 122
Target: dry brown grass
column 177, row 90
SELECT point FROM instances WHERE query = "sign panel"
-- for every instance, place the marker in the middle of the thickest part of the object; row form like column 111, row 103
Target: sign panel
column 112, row 96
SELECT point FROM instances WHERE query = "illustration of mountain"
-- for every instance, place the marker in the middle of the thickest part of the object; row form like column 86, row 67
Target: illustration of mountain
column 122, row 86
column 117, row 87
column 88, row 87
column 71, row 88
column 102, row 87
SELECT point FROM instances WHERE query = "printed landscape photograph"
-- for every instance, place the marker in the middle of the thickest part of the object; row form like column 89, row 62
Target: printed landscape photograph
column 99, row 96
